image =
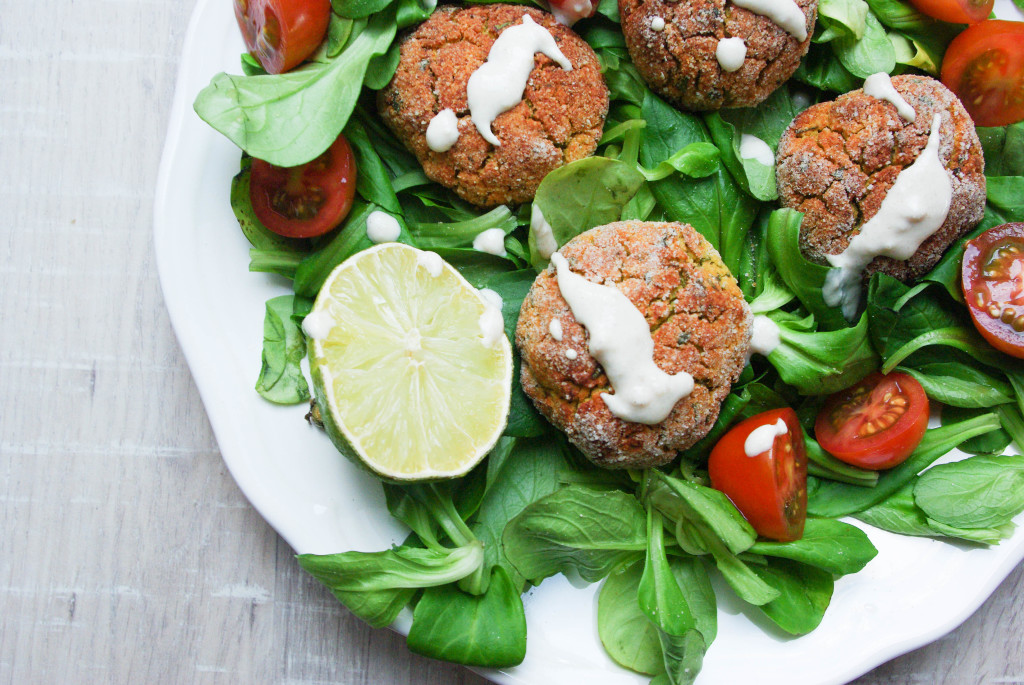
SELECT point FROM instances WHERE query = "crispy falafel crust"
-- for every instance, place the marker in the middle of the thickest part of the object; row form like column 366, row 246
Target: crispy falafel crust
column 699, row 322
column 837, row 161
column 679, row 62
column 559, row 120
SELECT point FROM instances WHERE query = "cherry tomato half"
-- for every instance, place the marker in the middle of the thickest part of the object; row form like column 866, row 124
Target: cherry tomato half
column 876, row 423
column 984, row 66
column 282, row 33
column 569, row 12
column 306, row 200
column 955, row 11
column 993, row 283
column 769, row 487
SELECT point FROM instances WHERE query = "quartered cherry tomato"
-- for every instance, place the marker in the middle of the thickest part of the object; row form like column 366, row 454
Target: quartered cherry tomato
column 876, row 423
column 306, row 200
column 984, row 66
column 955, row 11
column 761, row 465
column 993, row 283
column 282, row 33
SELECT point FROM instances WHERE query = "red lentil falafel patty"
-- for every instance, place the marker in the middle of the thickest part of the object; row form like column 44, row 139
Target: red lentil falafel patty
column 678, row 62
column 559, row 120
column 838, row 159
column 699, row 322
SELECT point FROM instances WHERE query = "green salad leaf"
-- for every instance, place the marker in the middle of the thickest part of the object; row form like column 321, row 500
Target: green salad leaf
column 291, row 118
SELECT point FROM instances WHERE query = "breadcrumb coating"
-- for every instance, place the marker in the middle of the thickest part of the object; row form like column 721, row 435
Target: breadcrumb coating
column 699, row 322
column 559, row 120
column 838, row 159
column 679, row 63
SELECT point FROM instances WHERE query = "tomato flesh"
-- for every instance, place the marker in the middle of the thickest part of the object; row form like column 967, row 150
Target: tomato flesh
column 282, row 33
column 984, row 66
column 768, row 488
column 569, row 12
column 875, row 424
column 955, row 11
column 993, row 284
column 307, row 200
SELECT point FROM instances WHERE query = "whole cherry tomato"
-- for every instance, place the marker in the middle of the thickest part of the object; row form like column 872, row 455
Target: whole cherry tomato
column 306, row 200
column 984, row 66
column 761, row 465
column 955, row 11
column 993, row 283
column 282, row 33
column 876, row 423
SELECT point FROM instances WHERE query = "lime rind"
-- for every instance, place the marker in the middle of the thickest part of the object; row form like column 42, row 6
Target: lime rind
column 406, row 384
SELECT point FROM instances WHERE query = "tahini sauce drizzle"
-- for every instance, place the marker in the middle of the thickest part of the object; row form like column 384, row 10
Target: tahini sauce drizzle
column 913, row 209
column 498, row 84
column 620, row 340
column 763, row 437
column 443, row 131
column 492, row 325
column 730, row 53
column 543, row 235
column 491, row 241
column 381, row 227
column 752, row 147
column 764, row 335
column 880, row 86
column 786, row 13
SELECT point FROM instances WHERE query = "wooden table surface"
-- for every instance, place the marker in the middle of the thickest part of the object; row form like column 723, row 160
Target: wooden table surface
column 127, row 553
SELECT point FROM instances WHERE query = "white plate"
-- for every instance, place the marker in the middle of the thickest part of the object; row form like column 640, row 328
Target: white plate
column 915, row 590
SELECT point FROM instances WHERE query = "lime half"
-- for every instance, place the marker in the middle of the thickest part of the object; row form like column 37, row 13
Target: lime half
column 411, row 368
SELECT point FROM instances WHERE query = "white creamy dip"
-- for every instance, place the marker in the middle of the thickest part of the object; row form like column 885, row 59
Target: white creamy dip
column 381, row 227
column 880, row 86
column 443, row 131
column 493, row 298
column 620, row 340
column 570, row 14
column 785, row 13
column 764, row 335
column 431, row 261
column 543, row 236
column 498, row 84
column 492, row 325
column 913, row 209
column 657, row 24
column 491, row 241
column 317, row 325
column 555, row 329
column 763, row 437
column 730, row 53
column 752, row 147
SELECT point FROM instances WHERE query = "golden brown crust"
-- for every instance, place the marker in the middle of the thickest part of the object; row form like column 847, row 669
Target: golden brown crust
column 837, row 160
column 679, row 61
column 559, row 120
column 699, row 322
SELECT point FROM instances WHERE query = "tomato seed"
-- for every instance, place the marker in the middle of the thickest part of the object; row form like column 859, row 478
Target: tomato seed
column 1008, row 315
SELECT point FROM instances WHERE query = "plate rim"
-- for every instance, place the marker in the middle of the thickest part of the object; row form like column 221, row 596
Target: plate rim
column 226, row 427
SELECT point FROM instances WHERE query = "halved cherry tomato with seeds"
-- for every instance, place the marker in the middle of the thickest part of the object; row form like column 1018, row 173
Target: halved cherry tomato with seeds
column 993, row 284
column 875, row 424
column 306, row 200
column 984, row 66
column 282, row 33
column 769, row 487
